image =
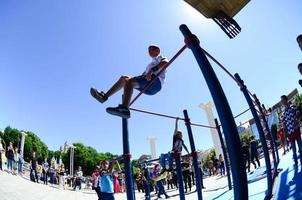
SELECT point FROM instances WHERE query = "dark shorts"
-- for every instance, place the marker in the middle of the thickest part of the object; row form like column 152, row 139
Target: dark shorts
column 152, row 89
column 107, row 196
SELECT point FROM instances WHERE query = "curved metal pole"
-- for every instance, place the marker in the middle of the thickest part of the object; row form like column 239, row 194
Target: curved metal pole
column 262, row 137
column 225, row 155
column 273, row 136
column 272, row 140
column 194, row 155
column 127, row 162
column 224, row 113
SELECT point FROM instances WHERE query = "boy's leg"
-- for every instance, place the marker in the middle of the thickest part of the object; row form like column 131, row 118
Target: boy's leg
column 102, row 96
column 118, row 85
column 293, row 145
column 123, row 109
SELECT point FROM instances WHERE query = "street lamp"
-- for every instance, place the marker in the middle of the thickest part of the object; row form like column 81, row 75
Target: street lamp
column 22, row 143
column 71, row 158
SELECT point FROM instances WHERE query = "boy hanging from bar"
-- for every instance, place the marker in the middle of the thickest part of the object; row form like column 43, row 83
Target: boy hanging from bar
column 139, row 82
column 178, row 142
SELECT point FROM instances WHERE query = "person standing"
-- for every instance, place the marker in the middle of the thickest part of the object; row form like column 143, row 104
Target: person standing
column 246, row 155
column 52, row 171
column 254, row 151
column 221, row 165
column 186, row 175
column 158, row 178
column 106, row 180
column 10, row 157
column 78, row 178
column 62, row 176
column 34, row 167
column 290, row 120
column 45, row 168
column 282, row 138
column 95, row 181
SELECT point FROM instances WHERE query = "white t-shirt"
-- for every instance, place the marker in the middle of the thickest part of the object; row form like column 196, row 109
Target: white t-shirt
column 155, row 61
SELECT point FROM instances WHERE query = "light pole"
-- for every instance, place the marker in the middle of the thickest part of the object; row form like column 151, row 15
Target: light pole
column 22, row 143
column 71, row 159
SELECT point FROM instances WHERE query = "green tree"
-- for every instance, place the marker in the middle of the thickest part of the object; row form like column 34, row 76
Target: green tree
column 11, row 135
column 34, row 143
column 210, row 156
column 246, row 136
column 86, row 157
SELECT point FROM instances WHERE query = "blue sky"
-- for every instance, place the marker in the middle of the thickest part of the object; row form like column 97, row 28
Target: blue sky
column 52, row 52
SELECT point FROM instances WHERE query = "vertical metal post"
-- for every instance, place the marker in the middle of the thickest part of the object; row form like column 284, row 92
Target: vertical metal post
column 261, row 134
column 225, row 155
column 224, row 113
column 194, row 155
column 127, row 162
column 179, row 176
column 273, row 139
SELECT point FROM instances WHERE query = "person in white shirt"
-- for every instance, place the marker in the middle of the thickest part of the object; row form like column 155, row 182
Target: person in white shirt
column 153, row 71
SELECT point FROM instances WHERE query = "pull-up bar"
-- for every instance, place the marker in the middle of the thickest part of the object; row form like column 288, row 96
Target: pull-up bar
column 170, row 116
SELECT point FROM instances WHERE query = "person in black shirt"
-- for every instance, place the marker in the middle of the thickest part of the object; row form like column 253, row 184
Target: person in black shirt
column 254, row 151
column 246, row 155
column 186, row 174
column 10, row 157
column 34, row 168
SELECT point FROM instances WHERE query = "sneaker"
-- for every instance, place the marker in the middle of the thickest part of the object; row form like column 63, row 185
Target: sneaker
column 98, row 95
column 121, row 111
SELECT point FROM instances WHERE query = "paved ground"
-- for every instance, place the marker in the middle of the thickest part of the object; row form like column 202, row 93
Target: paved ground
column 16, row 188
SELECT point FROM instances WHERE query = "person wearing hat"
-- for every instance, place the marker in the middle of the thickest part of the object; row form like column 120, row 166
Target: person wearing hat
column 153, row 71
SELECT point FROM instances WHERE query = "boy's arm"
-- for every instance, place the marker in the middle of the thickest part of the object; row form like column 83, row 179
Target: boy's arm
column 183, row 144
column 111, row 167
column 155, row 69
column 176, row 126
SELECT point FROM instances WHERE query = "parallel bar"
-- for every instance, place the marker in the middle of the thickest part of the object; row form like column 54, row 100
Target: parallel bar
column 262, row 137
column 224, row 113
column 225, row 155
column 194, row 155
column 128, row 173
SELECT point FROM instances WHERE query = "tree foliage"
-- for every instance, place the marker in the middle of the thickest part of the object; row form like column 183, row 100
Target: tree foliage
column 210, row 156
column 246, row 136
column 34, row 143
column 86, row 157
column 11, row 135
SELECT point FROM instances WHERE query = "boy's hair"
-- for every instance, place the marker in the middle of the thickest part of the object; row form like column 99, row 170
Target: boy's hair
column 104, row 162
column 300, row 65
column 299, row 37
column 284, row 97
column 153, row 47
